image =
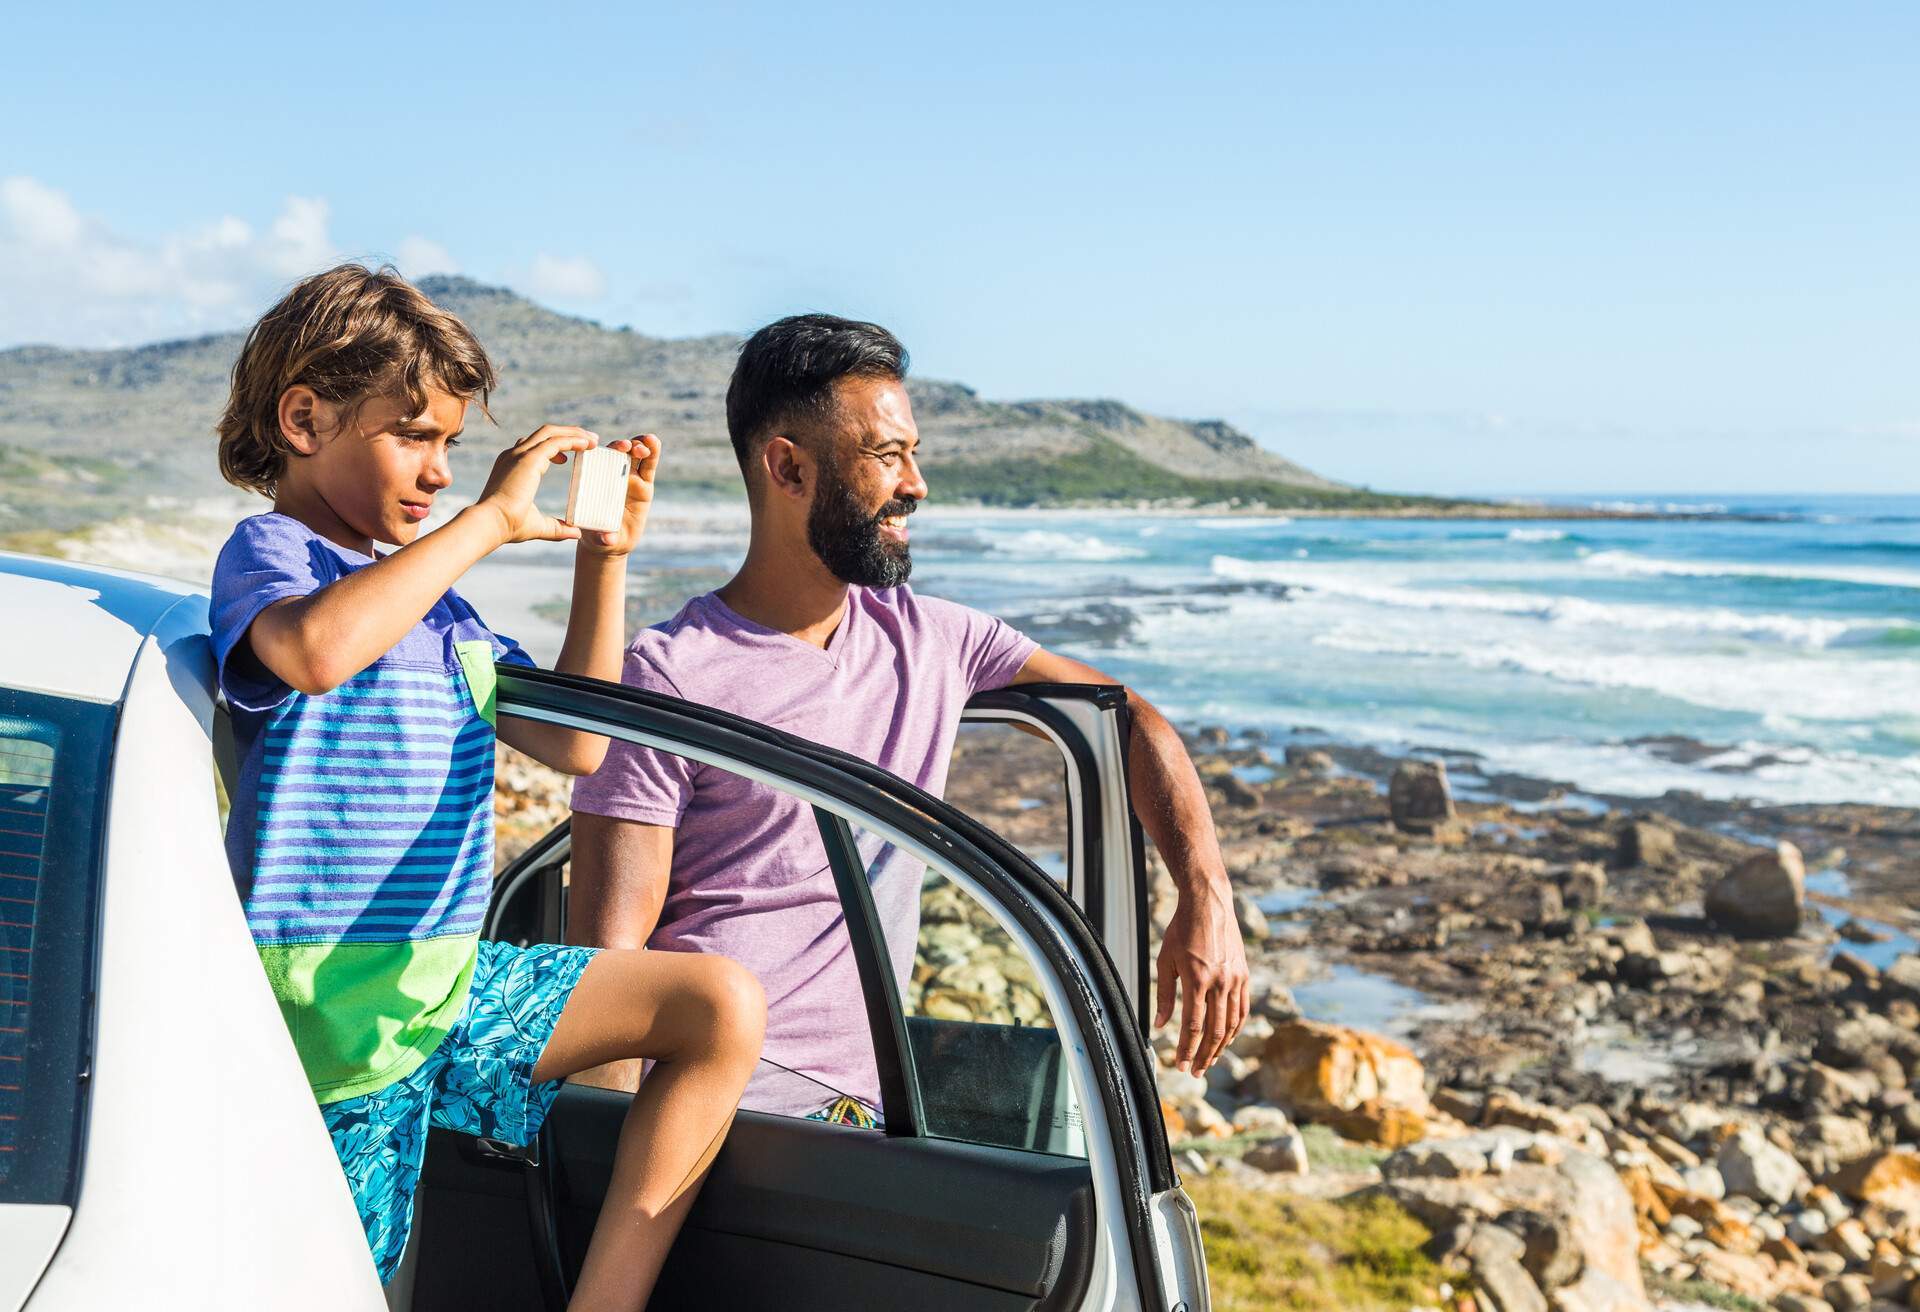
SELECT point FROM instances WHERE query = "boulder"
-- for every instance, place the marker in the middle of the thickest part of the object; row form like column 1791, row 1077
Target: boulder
column 1583, row 885
column 1438, row 1159
column 1525, row 1114
column 1581, row 1203
column 1704, row 1181
column 1596, row 1291
column 1860, row 973
column 1259, row 1118
column 1251, row 1041
column 1848, row 1294
column 1284, row 1154
column 1762, row 897
column 1890, row 1178
column 1506, row 1287
column 1826, row 1086
column 1238, row 793
column 1646, row 843
column 1419, row 797
column 1902, row 978
column 1754, row 1168
column 1308, row 760
column 1377, row 1123
column 1314, row 1070
column 1851, row 1241
column 1538, row 905
column 1552, row 1255
column 1795, row 1302
column 1253, row 921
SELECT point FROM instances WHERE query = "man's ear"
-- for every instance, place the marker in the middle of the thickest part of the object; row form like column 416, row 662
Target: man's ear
column 301, row 418
column 788, row 466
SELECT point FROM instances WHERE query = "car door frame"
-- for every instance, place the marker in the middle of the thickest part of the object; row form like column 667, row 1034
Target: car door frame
column 1091, row 725
column 1128, row 1152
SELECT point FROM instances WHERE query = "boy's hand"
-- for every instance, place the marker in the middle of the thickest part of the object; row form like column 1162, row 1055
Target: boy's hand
column 645, row 453
column 516, row 477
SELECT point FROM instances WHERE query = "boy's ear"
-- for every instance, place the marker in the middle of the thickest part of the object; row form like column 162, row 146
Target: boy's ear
column 300, row 419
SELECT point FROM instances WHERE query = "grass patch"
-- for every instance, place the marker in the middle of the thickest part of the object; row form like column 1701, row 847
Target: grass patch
column 1667, row 1289
column 1327, row 1151
column 1106, row 471
column 1268, row 1251
column 1234, row 1147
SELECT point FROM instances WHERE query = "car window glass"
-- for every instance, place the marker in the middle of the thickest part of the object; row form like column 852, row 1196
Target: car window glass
column 750, row 881
column 984, row 1045
column 53, row 761
column 1015, row 782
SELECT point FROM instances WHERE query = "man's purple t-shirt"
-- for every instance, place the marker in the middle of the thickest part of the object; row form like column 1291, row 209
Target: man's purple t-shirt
column 750, row 878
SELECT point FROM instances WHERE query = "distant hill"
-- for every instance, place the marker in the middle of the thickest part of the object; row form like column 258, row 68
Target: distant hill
column 86, row 435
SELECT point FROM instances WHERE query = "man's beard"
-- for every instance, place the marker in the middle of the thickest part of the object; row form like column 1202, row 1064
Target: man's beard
column 848, row 539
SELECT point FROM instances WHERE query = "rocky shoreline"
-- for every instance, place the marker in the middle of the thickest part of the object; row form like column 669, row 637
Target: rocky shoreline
column 1624, row 1042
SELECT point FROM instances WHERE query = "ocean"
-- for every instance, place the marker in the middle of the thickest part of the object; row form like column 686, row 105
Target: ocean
column 1768, row 652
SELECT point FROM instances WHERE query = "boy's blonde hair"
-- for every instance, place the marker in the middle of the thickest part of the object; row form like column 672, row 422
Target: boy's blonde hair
column 351, row 334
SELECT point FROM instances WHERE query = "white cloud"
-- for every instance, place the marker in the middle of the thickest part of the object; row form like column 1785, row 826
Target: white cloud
column 71, row 278
column 555, row 278
column 419, row 256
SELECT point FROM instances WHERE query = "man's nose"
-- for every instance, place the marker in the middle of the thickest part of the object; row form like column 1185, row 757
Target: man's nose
column 912, row 485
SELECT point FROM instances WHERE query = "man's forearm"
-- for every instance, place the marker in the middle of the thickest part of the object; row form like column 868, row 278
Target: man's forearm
column 1172, row 805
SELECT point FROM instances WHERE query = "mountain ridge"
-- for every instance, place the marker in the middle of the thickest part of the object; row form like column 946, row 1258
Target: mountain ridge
column 86, row 430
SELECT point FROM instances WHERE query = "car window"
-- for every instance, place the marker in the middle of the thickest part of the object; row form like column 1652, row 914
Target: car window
column 1015, row 782
column 53, row 764
column 979, row 1033
column 985, row 1050
column 752, row 882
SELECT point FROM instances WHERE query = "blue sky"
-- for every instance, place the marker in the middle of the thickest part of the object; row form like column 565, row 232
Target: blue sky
column 1457, row 248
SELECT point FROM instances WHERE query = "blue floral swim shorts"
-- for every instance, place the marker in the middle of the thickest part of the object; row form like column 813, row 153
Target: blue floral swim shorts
column 478, row 1081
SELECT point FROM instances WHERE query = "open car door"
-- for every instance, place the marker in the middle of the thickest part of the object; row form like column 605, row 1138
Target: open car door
column 1015, row 1157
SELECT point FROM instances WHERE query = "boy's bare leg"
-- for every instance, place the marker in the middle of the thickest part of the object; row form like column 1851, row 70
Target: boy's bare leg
column 701, row 1019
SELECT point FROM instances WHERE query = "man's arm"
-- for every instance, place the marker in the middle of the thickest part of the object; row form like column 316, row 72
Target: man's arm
column 618, row 882
column 1201, row 951
column 616, row 887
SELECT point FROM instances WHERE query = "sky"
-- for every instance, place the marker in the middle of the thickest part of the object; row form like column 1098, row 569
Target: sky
column 1452, row 248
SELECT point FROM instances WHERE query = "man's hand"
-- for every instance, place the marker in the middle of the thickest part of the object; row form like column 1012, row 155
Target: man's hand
column 644, row 451
column 516, row 477
column 1203, row 954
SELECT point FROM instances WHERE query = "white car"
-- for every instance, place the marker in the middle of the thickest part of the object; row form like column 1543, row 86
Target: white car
column 159, row 1147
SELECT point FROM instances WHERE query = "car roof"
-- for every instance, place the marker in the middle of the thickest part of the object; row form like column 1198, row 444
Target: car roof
column 74, row 630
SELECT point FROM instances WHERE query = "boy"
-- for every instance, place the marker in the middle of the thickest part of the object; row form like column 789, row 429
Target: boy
column 361, row 830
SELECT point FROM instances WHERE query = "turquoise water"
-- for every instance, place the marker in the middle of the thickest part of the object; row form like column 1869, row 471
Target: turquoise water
column 1775, row 656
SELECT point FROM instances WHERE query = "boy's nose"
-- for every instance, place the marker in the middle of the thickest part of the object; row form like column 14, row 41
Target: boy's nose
column 437, row 473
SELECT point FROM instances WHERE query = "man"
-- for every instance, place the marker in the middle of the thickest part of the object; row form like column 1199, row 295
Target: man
column 818, row 634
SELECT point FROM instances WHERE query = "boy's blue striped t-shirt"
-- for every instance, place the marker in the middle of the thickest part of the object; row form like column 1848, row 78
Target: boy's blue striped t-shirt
column 361, row 830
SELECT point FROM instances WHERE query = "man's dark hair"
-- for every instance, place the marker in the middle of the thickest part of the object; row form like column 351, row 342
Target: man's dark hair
column 787, row 371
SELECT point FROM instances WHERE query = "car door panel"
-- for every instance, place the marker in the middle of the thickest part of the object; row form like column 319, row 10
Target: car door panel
column 982, row 1227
